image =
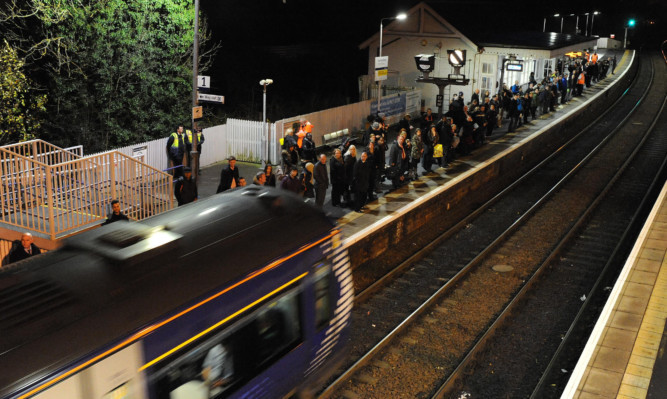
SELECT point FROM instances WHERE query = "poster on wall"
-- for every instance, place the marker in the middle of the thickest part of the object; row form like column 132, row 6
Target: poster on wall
column 413, row 102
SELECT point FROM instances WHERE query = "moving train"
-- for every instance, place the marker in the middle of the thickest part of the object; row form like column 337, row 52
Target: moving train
column 247, row 293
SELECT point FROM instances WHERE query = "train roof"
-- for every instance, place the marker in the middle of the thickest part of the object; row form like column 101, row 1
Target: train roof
column 108, row 282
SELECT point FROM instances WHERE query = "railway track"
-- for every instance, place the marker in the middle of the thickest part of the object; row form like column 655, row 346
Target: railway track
column 409, row 307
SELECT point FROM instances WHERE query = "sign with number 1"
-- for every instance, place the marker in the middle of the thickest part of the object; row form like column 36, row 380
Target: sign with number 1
column 203, row 82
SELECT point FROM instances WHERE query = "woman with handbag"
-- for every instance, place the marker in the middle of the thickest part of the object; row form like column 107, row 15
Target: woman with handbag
column 434, row 138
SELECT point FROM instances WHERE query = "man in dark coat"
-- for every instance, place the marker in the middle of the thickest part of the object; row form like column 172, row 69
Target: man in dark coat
column 321, row 180
column 370, row 151
column 176, row 146
column 399, row 157
column 185, row 188
column 480, row 120
column 292, row 182
column 491, row 116
column 475, row 97
column 513, row 113
column 379, row 162
column 338, row 179
column 24, row 250
column 308, row 148
column 229, row 177
column 115, row 214
column 405, row 124
column 427, row 119
column 360, row 182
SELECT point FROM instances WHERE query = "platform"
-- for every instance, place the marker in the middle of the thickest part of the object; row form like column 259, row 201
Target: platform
column 502, row 153
column 624, row 354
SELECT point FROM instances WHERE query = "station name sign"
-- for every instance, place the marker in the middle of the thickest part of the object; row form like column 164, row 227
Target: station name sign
column 515, row 67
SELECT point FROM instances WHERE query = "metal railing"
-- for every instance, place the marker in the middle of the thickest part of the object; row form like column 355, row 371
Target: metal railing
column 55, row 192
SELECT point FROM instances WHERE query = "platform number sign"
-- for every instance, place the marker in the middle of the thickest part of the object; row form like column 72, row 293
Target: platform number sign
column 203, row 82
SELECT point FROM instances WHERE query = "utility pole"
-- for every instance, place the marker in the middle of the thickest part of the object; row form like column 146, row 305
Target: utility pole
column 194, row 154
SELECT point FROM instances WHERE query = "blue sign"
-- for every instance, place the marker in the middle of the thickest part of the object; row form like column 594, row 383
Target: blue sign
column 390, row 105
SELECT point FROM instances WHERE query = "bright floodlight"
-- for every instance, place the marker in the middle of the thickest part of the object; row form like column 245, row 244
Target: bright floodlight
column 556, row 15
column 401, row 16
column 631, row 22
column 265, row 82
column 596, row 13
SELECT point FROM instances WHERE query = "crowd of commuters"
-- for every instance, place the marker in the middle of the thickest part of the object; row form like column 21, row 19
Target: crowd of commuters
column 356, row 170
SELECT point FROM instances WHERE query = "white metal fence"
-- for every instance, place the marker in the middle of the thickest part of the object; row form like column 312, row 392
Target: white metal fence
column 247, row 140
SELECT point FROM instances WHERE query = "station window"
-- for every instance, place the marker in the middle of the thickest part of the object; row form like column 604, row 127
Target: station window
column 229, row 358
column 487, row 68
column 322, row 294
column 488, row 76
column 548, row 68
column 486, row 83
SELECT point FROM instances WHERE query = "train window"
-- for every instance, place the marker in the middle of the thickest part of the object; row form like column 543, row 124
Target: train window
column 322, row 295
column 223, row 363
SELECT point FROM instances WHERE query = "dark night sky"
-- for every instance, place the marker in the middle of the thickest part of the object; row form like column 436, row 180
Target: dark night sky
column 310, row 47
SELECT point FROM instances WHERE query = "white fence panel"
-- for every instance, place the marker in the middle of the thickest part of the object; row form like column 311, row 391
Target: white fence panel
column 244, row 139
column 214, row 148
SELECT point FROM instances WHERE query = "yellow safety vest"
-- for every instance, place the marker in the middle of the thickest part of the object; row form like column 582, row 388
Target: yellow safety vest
column 189, row 133
column 174, row 144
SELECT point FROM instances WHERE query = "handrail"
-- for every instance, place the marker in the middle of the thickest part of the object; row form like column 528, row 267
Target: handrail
column 58, row 199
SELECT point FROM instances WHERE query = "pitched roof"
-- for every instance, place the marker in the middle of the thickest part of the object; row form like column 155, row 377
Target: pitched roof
column 529, row 40
column 422, row 20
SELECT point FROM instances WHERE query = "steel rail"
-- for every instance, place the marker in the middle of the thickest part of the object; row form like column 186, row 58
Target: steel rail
column 537, row 392
column 447, row 386
column 363, row 295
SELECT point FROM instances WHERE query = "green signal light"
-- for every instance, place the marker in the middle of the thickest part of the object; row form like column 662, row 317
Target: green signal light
column 631, row 22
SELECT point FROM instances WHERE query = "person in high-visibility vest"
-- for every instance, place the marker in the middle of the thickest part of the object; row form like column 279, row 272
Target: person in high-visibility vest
column 594, row 58
column 305, row 127
column 176, row 149
column 580, row 82
column 188, row 144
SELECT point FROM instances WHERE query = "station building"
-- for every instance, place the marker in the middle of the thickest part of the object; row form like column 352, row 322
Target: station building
column 427, row 32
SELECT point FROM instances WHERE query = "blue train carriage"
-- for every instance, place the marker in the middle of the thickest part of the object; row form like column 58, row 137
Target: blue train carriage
column 244, row 294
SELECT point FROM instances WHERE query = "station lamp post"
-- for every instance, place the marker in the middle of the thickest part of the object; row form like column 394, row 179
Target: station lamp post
column 399, row 17
column 264, row 83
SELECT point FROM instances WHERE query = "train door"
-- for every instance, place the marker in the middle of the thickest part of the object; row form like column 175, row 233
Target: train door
column 333, row 296
column 115, row 377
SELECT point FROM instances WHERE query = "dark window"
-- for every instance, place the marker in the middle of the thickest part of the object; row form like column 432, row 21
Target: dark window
column 322, row 295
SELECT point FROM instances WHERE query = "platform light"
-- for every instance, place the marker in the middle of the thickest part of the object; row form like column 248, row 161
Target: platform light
column 456, row 58
column 631, row 23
